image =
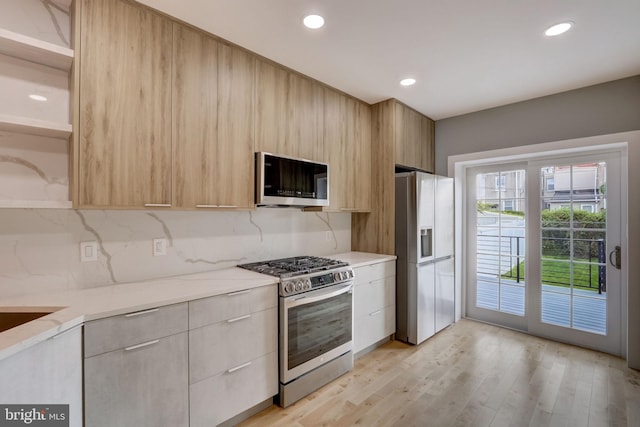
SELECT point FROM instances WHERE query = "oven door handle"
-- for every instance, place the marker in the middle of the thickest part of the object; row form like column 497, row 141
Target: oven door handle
column 321, row 295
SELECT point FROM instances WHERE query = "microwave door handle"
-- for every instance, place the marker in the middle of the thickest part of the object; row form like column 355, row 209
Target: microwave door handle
column 320, row 296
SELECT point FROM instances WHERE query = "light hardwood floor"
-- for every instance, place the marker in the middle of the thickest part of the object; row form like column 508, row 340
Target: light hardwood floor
column 472, row 374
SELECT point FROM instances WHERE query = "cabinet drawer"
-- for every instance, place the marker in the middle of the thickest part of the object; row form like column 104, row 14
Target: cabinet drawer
column 223, row 345
column 117, row 332
column 143, row 386
column 223, row 396
column 369, row 297
column 371, row 328
column 210, row 310
column 371, row 272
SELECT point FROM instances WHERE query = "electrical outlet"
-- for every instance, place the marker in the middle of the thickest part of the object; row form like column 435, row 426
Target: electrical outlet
column 88, row 251
column 327, row 236
column 159, row 247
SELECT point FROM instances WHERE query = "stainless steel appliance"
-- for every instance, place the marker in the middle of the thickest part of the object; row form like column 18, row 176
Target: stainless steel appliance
column 315, row 322
column 286, row 181
column 425, row 288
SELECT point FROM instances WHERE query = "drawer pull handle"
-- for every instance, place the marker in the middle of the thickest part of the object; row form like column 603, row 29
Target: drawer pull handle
column 239, row 318
column 227, row 206
column 375, row 313
column 207, row 206
column 233, row 294
column 157, row 205
column 237, row 368
column 140, row 313
column 144, row 344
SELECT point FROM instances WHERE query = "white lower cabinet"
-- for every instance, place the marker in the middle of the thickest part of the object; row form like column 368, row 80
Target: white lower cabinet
column 191, row 364
column 233, row 358
column 374, row 304
column 50, row 372
column 144, row 383
column 233, row 391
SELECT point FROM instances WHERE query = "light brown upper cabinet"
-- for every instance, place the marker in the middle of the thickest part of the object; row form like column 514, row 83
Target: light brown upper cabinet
column 306, row 117
column 289, row 113
column 347, row 137
column 414, row 138
column 236, row 117
column 271, row 109
column 213, row 117
column 124, row 145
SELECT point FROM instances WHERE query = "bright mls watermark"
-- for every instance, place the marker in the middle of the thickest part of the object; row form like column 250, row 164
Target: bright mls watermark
column 34, row 415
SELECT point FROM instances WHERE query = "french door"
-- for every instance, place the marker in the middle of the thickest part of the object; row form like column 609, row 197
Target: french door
column 541, row 248
column 496, row 245
column 576, row 283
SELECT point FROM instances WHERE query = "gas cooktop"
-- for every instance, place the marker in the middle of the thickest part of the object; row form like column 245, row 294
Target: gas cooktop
column 294, row 266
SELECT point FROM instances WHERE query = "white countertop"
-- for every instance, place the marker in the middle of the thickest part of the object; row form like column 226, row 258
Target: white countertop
column 76, row 307
column 360, row 259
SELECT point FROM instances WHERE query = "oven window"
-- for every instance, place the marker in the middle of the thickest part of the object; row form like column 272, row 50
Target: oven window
column 318, row 327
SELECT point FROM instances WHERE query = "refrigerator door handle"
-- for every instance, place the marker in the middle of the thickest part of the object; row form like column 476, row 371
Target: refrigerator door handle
column 433, row 261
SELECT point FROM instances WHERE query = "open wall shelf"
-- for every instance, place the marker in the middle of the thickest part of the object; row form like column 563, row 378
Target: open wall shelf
column 34, row 50
column 34, row 127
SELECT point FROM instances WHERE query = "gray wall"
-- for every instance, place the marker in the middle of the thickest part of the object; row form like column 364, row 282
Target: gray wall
column 595, row 110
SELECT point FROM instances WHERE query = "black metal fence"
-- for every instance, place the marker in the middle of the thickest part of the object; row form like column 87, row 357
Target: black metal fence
column 504, row 256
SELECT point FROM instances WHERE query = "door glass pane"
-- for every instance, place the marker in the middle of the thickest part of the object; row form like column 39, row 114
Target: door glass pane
column 500, row 220
column 573, row 253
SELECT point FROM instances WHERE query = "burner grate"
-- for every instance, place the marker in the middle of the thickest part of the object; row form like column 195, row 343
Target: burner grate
column 294, row 266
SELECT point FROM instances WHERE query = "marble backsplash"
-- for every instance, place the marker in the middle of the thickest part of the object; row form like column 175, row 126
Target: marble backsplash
column 46, row 20
column 39, row 248
column 33, row 168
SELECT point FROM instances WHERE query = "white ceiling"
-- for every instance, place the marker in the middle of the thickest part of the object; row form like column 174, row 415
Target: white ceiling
column 467, row 55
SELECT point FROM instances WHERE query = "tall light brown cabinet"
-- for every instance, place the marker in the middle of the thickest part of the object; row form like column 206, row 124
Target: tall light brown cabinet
column 399, row 136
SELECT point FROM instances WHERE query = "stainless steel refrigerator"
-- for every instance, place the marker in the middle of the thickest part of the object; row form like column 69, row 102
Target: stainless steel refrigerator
column 425, row 288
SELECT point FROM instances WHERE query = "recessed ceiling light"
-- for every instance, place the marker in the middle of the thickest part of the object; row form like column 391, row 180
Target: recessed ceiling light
column 556, row 30
column 313, row 21
column 38, row 97
column 408, row 82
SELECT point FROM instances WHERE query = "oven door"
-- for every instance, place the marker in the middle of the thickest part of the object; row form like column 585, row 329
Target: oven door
column 315, row 327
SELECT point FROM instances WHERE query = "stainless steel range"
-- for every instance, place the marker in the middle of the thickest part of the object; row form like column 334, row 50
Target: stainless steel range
column 315, row 322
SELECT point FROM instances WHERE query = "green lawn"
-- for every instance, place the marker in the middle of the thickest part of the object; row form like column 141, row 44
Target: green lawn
column 555, row 271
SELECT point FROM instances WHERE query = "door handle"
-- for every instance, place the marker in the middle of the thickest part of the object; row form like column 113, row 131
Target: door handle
column 616, row 263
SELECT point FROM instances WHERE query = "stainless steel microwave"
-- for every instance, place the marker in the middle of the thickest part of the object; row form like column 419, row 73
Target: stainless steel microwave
column 287, row 181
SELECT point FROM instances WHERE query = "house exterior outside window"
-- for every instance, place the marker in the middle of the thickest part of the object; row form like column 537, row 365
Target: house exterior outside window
column 580, row 187
column 550, row 184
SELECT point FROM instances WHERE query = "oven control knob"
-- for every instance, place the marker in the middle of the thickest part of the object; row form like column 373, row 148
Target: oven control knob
column 344, row 275
column 336, row 276
column 299, row 285
column 307, row 285
column 289, row 287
